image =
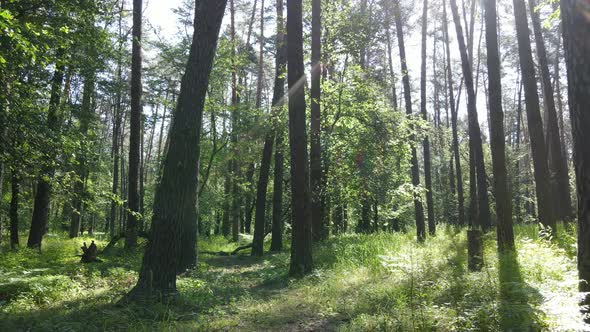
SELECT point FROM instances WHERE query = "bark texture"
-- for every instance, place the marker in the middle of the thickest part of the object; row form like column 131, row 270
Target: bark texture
column 535, row 124
column 176, row 195
column 301, row 258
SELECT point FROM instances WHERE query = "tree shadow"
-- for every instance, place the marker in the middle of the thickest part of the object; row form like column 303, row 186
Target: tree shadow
column 518, row 301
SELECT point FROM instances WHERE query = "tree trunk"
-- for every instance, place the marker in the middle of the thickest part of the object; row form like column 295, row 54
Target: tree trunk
column 40, row 217
column 576, row 29
column 426, row 141
column 418, row 208
column 559, row 177
column 235, row 170
column 457, row 157
column 170, row 250
column 82, row 170
column 505, row 232
column 535, row 124
column 277, row 104
column 116, row 132
column 13, row 213
column 134, row 131
column 276, row 243
column 484, row 218
column 317, row 185
column 301, row 258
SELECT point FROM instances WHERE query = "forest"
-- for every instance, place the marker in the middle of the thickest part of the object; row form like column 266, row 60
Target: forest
column 294, row 165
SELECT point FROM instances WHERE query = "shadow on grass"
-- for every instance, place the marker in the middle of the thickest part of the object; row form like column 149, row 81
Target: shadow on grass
column 518, row 301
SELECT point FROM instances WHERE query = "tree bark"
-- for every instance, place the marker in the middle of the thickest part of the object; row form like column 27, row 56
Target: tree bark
column 505, row 233
column 484, row 218
column 301, row 258
column 170, row 250
column 418, row 208
column 576, row 29
column 317, row 185
column 82, row 167
column 277, row 104
column 559, row 177
column 235, row 169
column 134, row 131
column 40, row 217
column 535, row 124
column 457, row 157
column 13, row 212
column 426, row 141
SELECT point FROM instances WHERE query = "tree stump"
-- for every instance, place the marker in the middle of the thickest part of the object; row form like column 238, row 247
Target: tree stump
column 474, row 250
column 89, row 253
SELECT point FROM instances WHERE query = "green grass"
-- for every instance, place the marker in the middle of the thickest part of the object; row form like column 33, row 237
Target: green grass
column 378, row 282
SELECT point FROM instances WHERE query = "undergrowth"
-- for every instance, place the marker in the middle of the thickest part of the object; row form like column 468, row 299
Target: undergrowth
column 376, row 282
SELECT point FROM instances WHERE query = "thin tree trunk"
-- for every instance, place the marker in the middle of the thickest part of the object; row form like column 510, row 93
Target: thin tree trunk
column 505, row 232
column 82, row 167
column 535, row 124
column 316, row 173
column 426, row 141
column 457, row 157
column 235, row 170
column 13, row 213
column 418, row 208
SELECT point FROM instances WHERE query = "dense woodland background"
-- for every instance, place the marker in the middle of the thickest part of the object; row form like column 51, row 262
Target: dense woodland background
column 295, row 165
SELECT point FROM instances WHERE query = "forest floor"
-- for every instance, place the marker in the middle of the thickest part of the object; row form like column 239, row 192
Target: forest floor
column 378, row 282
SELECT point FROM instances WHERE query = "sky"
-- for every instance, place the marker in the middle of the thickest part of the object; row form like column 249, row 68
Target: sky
column 159, row 15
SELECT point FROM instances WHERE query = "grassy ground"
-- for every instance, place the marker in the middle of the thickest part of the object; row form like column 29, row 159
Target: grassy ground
column 379, row 282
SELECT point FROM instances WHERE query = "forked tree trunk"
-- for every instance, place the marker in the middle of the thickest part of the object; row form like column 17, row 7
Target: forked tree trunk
column 277, row 104
column 559, row 177
column 483, row 219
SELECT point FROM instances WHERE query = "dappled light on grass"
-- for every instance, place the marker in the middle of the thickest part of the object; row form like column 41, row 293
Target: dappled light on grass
column 385, row 282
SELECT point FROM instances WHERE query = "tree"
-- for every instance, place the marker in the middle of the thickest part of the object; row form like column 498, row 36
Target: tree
column 176, row 194
column 14, row 201
column 316, row 172
column 426, row 142
column 43, row 193
column 559, row 177
column 134, row 131
column 576, row 29
column 279, row 91
column 418, row 208
column 457, row 157
column 301, row 259
column 535, row 125
column 505, row 232
column 260, row 216
column 483, row 216
column 235, row 101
